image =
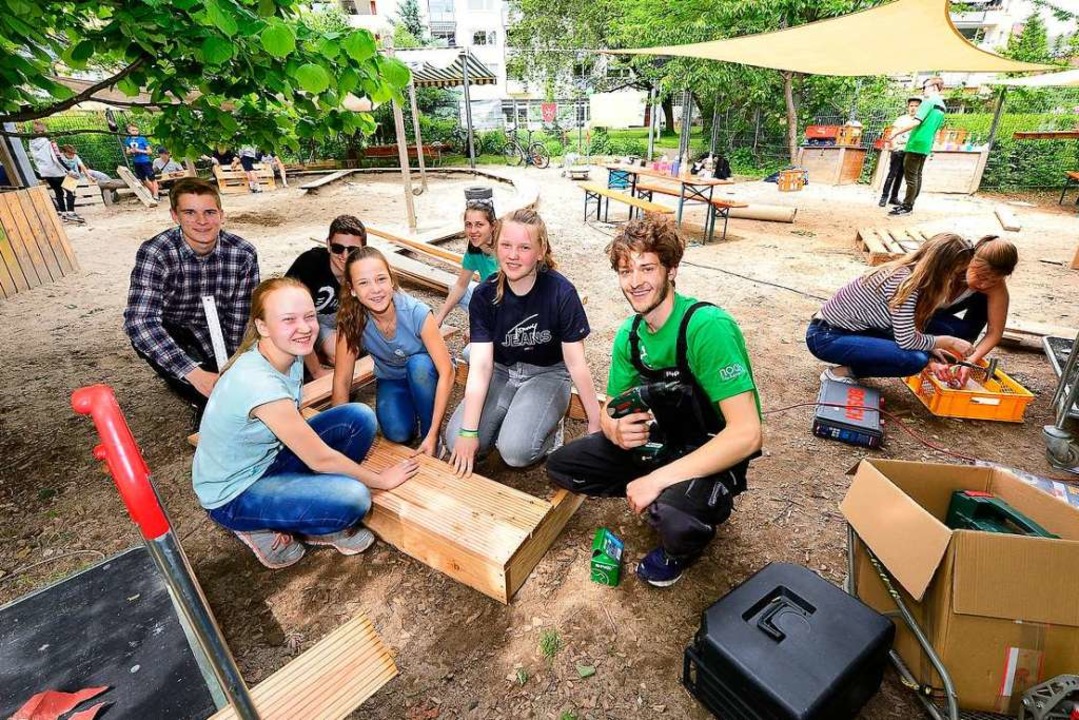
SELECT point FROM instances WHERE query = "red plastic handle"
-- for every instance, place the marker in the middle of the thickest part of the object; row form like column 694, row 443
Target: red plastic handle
column 121, row 454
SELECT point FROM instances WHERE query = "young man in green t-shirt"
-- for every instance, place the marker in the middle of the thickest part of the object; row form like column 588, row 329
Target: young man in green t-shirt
column 682, row 461
column 927, row 121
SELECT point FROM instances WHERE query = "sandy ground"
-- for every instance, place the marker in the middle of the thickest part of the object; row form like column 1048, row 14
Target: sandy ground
column 459, row 653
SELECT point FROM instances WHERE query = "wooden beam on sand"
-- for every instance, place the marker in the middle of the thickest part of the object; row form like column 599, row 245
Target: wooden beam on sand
column 329, row 680
column 313, row 186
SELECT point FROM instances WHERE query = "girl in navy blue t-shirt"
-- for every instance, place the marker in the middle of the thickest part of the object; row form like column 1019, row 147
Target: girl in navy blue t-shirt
column 528, row 328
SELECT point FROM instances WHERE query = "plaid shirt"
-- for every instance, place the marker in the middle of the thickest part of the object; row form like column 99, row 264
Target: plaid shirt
column 167, row 285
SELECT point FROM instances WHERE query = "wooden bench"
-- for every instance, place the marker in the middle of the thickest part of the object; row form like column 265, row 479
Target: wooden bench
column 602, row 196
column 329, row 680
column 1070, row 178
column 234, row 182
column 390, row 152
column 720, row 207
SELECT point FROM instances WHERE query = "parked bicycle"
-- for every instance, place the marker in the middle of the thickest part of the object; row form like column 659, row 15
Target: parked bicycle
column 530, row 152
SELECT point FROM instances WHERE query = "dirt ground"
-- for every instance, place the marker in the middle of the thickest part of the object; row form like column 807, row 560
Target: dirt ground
column 460, row 654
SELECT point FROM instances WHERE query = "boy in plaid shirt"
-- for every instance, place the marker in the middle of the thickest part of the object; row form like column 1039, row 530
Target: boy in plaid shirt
column 173, row 271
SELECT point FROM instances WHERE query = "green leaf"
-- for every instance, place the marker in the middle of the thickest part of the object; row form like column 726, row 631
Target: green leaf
column 216, row 51
column 267, row 8
column 185, row 5
column 278, row 39
column 347, row 80
column 328, row 48
column 395, row 72
column 312, row 78
column 220, row 18
column 382, row 93
column 80, row 53
column 360, row 45
column 128, row 86
column 585, row 671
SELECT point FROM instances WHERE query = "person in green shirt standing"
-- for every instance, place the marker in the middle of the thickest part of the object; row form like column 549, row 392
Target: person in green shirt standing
column 927, row 121
column 681, row 461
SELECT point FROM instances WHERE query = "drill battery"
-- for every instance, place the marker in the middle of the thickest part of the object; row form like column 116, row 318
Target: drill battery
column 849, row 414
column 974, row 510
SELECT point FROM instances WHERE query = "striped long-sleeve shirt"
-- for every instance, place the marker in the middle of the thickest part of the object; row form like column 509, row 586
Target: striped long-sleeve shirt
column 862, row 304
column 167, row 285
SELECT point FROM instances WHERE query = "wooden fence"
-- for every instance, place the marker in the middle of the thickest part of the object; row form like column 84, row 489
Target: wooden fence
column 34, row 249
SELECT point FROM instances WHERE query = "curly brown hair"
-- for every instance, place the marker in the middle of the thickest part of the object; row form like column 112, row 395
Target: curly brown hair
column 351, row 314
column 653, row 233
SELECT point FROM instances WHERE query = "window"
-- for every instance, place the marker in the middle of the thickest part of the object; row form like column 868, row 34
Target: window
column 440, row 10
column 484, row 37
column 358, row 7
column 975, row 34
column 481, row 5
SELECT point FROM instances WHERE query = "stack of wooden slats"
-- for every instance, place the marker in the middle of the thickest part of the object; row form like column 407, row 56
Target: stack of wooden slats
column 34, row 249
column 879, row 245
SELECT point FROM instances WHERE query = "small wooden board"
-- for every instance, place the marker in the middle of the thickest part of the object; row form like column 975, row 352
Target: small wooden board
column 329, row 680
column 881, row 245
column 1007, row 218
column 475, row 530
column 314, row 185
column 136, row 186
column 414, row 270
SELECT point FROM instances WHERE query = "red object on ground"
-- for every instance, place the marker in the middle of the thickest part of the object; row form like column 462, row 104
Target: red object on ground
column 120, row 452
column 89, row 713
column 822, row 132
column 51, row 704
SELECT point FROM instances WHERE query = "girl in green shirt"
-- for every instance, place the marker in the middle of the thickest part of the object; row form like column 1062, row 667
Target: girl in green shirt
column 480, row 227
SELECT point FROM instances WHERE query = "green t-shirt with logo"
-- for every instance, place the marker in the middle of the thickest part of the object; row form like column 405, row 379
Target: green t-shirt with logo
column 931, row 114
column 482, row 263
column 716, row 352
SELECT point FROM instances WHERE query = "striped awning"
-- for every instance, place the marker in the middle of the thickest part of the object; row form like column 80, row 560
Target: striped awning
column 427, row 75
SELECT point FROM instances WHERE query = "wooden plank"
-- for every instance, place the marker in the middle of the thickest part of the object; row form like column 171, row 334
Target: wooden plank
column 33, row 266
column 314, row 185
column 416, row 271
column 234, row 182
column 7, row 282
column 54, row 232
column 7, row 251
column 88, row 194
column 136, row 186
column 563, row 505
column 329, row 680
column 39, row 229
column 419, row 246
column 1007, row 218
column 575, row 411
column 644, row 205
column 890, row 239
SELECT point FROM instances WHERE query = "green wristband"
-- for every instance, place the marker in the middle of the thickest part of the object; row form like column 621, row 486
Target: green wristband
column 468, row 433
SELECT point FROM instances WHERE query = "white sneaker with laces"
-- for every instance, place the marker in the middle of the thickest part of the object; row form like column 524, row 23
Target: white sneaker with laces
column 275, row 550
column 346, row 542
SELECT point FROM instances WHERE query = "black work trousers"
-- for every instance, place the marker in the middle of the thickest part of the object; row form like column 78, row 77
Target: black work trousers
column 64, row 200
column 685, row 515
column 190, row 345
column 912, row 173
column 894, row 178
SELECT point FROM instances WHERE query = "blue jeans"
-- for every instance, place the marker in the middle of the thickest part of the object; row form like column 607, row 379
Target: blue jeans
column 467, row 297
column 292, row 498
column 868, row 353
column 402, row 404
column 968, row 327
column 521, row 413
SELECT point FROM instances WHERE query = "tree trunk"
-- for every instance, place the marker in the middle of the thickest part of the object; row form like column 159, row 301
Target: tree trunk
column 668, row 115
column 792, row 116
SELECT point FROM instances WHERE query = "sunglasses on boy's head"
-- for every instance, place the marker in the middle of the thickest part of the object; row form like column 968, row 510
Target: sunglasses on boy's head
column 338, row 248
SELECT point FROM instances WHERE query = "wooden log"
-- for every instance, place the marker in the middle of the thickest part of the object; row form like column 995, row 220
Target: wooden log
column 1007, row 218
column 329, row 680
column 770, row 213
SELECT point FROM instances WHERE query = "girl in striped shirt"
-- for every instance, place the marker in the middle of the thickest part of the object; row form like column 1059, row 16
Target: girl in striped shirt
column 875, row 325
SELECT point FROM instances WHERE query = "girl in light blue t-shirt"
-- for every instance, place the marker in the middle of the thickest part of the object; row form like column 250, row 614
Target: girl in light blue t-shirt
column 413, row 368
column 261, row 469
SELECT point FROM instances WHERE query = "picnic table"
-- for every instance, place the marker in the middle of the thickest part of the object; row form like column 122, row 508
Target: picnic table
column 1071, row 177
column 687, row 188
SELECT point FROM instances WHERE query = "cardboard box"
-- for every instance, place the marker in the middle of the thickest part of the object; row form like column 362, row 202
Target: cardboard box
column 1001, row 611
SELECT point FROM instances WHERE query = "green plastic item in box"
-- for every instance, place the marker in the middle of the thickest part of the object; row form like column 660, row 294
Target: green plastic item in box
column 606, row 558
column 974, row 510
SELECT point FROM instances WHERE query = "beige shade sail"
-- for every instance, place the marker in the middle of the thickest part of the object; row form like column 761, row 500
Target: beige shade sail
column 1068, row 78
column 900, row 37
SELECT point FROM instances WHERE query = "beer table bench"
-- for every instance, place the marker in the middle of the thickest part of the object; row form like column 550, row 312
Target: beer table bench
column 602, row 197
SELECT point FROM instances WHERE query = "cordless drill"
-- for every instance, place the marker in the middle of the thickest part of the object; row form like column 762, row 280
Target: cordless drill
column 648, row 398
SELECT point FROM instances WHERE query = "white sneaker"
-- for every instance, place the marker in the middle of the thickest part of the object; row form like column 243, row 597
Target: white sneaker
column 346, row 542
column 559, row 436
column 829, row 374
column 275, row 550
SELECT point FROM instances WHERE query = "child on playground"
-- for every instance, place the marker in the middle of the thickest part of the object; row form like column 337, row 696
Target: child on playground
column 528, row 329
column 413, row 368
column 877, row 325
column 264, row 472
column 481, row 224
column 982, row 298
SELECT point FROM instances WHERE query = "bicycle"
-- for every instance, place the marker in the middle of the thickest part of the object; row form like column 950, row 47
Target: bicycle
column 531, row 153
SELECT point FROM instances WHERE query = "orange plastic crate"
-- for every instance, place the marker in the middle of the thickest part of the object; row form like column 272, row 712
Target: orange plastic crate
column 1004, row 399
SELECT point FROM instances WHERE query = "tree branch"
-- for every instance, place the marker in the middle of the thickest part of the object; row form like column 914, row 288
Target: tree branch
column 87, row 94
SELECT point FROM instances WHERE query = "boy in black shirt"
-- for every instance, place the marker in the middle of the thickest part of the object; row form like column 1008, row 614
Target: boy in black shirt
column 321, row 270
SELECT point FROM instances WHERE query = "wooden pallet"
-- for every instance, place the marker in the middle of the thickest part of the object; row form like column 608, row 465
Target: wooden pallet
column 136, row 186
column 34, row 249
column 881, row 245
column 478, row 531
column 234, row 182
column 88, row 195
column 329, row 680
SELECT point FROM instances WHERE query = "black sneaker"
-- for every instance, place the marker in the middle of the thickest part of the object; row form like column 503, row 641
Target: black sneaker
column 901, row 210
column 660, row 569
column 883, row 202
column 895, row 201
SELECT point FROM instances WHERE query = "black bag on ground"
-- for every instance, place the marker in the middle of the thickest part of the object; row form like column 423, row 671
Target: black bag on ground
column 787, row 645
